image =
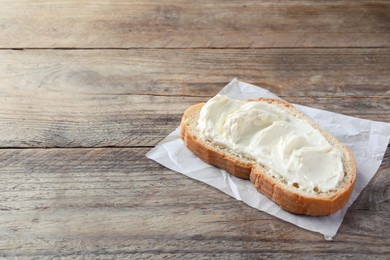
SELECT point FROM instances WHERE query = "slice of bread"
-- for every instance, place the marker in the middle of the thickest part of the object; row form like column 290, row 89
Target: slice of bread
column 290, row 198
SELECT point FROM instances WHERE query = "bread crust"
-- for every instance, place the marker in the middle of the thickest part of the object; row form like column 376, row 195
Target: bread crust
column 207, row 152
column 287, row 197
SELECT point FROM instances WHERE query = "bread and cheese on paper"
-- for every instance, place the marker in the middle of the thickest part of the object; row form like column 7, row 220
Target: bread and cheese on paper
column 287, row 156
column 367, row 140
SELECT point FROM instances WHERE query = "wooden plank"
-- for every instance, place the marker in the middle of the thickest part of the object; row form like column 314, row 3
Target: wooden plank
column 189, row 24
column 50, row 119
column 94, row 98
column 73, row 98
column 115, row 202
column 286, row 72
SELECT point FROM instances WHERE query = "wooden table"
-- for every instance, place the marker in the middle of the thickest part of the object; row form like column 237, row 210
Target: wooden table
column 88, row 87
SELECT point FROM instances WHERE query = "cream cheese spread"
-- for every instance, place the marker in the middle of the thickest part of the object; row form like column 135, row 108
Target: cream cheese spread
column 290, row 147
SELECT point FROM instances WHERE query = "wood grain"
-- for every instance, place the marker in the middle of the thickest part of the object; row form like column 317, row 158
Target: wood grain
column 95, row 98
column 114, row 202
column 286, row 72
column 189, row 24
column 75, row 75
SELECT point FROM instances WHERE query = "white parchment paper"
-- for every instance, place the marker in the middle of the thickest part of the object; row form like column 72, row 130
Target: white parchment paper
column 367, row 139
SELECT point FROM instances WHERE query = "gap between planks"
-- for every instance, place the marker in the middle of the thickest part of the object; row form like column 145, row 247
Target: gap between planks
column 88, row 147
column 189, row 48
column 78, row 147
column 202, row 96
